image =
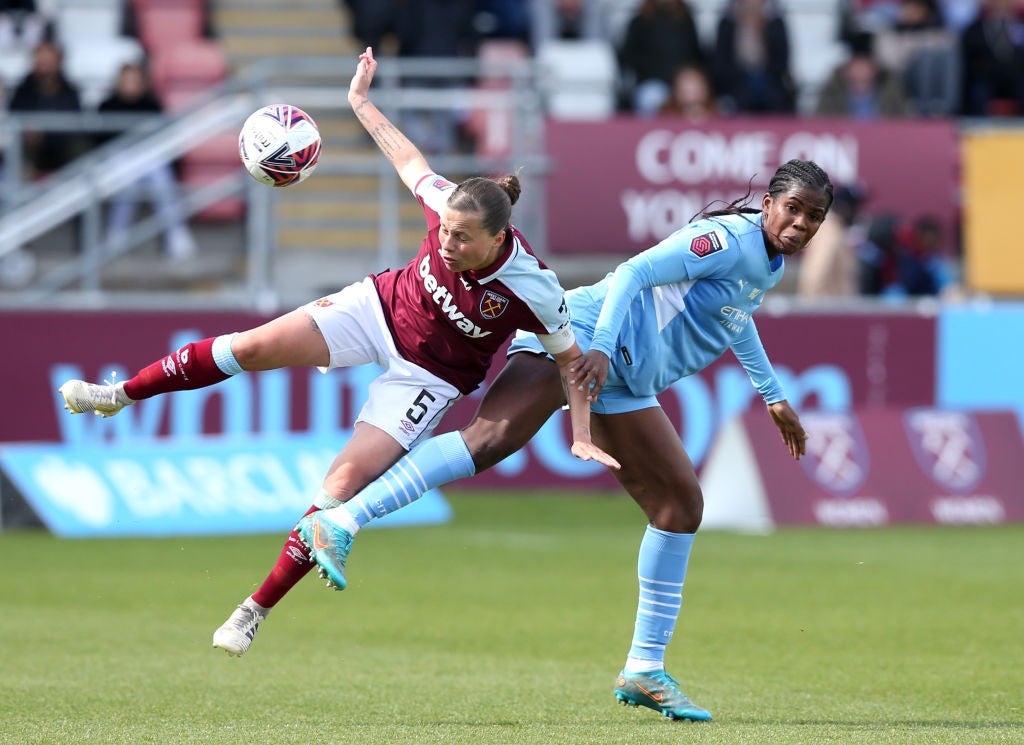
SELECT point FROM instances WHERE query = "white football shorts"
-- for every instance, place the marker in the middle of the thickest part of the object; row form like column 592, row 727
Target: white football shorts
column 405, row 400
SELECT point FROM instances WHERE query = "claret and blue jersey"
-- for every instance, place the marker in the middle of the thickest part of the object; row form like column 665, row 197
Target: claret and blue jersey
column 673, row 309
column 452, row 324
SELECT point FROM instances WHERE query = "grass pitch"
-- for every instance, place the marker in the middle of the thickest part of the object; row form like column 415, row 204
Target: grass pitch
column 508, row 626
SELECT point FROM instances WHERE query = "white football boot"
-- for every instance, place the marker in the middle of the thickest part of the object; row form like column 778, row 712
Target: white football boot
column 237, row 633
column 101, row 399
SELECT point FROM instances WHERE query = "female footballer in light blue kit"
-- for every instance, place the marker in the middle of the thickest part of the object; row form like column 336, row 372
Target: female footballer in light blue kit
column 664, row 314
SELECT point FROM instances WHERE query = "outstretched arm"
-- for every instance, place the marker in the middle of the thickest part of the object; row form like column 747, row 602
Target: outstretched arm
column 578, row 397
column 404, row 156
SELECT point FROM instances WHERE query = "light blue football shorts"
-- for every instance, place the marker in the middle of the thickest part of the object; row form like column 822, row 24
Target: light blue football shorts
column 614, row 398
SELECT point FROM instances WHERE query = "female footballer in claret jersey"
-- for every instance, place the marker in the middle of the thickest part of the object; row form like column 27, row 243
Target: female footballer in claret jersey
column 664, row 314
column 433, row 325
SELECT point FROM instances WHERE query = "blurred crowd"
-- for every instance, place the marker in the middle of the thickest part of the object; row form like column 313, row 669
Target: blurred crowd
column 114, row 44
column 882, row 255
column 902, row 58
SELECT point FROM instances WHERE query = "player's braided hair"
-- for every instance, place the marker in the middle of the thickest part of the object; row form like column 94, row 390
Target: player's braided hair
column 492, row 199
column 793, row 174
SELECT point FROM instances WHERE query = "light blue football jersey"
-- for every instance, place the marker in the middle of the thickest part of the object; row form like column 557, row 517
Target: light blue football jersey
column 673, row 309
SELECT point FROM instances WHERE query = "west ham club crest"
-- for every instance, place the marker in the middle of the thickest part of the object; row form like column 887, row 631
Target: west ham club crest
column 492, row 305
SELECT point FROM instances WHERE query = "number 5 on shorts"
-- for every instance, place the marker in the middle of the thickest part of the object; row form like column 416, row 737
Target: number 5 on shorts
column 419, row 408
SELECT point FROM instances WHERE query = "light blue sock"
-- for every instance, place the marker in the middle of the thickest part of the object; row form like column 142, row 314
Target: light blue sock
column 661, row 568
column 435, row 462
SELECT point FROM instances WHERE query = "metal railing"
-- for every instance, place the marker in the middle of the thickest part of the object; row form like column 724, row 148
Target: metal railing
column 78, row 192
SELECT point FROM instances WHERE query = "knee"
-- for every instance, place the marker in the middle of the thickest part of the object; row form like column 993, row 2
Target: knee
column 346, row 481
column 247, row 349
column 490, row 442
column 674, row 508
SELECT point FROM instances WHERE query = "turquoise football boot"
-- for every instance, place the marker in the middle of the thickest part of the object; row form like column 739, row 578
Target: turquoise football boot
column 659, row 691
column 328, row 545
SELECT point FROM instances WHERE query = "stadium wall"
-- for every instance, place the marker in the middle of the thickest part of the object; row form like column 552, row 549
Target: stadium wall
column 828, row 361
column 655, row 175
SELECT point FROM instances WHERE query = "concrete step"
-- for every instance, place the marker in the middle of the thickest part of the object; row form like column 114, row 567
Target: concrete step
column 354, row 208
column 240, row 49
column 350, row 237
column 272, row 20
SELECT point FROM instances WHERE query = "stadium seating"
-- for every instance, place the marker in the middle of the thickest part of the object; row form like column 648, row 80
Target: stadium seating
column 578, row 78
column 93, row 20
column 14, row 64
column 163, row 26
column 92, row 64
column 492, row 128
column 185, row 69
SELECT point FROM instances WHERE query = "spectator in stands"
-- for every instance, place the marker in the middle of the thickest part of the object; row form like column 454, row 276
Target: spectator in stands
column 859, row 88
column 132, row 95
column 992, row 50
column 857, row 17
column 46, row 89
column 373, row 21
column 901, row 259
column 425, row 28
column 957, row 14
column 924, row 270
column 924, row 55
column 660, row 38
column 692, row 95
column 918, row 15
column 570, row 19
column 829, row 267
column 878, row 257
column 564, row 19
column 751, row 72
column 503, row 19
column 436, row 28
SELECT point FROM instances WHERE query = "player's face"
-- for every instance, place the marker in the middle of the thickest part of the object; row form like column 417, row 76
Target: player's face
column 465, row 244
column 792, row 218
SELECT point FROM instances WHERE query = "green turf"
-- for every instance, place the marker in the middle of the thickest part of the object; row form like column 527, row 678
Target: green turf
column 508, row 626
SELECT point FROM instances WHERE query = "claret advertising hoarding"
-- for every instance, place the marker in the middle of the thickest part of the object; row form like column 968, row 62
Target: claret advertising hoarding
column 884, row 360
column 250, row 453
column 647, row 177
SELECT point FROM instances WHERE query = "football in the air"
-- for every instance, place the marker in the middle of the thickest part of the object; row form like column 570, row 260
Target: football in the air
column 279, row 145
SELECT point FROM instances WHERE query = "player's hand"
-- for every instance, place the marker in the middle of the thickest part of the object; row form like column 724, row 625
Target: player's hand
column 589, row 371
column 789, row 426
column 360, row 84
column 589, row 451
